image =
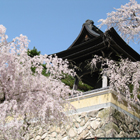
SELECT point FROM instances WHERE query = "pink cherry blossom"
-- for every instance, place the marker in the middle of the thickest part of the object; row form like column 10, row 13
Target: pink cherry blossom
column 27, row 95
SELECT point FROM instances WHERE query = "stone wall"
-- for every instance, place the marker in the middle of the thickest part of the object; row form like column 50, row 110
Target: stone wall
column 106, row 122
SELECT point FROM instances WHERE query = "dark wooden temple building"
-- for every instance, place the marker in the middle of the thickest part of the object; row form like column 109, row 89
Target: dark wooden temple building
column 92, row 41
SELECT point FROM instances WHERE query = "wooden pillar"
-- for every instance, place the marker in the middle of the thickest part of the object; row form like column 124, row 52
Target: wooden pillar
column 75, row 86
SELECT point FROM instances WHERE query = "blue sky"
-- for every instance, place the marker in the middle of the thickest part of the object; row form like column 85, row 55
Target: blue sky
column 53, row 25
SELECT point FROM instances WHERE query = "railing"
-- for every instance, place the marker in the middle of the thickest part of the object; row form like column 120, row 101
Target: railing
column 88, row 92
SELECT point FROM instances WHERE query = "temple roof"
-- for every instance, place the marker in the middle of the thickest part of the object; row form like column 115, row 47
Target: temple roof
column 88, row 31
column 92, row 41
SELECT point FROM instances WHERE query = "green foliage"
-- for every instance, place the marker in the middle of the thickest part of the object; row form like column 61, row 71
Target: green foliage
column 33, row 69
column 44, row 70
column 138, row 96
column 84, row 87
column 69, row 80
column 33, row 52
column 131, row 87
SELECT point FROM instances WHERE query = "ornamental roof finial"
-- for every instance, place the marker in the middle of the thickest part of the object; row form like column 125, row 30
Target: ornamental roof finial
column 89, row 23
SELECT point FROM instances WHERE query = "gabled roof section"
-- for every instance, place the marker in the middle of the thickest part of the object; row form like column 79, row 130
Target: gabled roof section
column 119, row 45
column 108, row 43
column 88, row 31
